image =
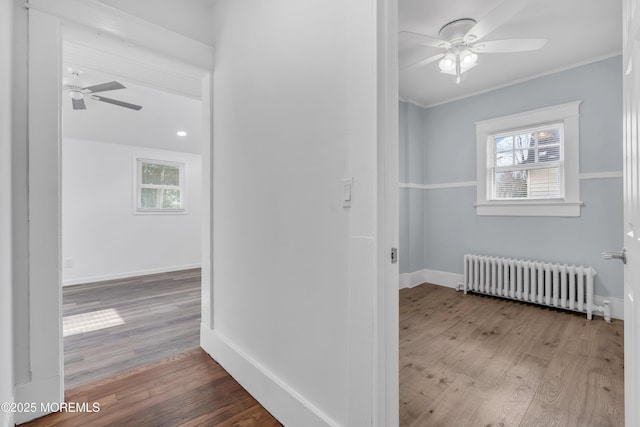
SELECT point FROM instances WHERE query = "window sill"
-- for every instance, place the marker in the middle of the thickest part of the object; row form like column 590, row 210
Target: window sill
column 160, row 212
column 529, row 208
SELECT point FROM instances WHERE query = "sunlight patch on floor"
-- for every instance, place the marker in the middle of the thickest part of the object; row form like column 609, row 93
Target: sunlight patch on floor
column 92, row 321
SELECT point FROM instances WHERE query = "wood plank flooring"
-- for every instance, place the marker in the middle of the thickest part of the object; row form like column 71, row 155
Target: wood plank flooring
column 482, row 361
column 186, row 390
column 116, row 325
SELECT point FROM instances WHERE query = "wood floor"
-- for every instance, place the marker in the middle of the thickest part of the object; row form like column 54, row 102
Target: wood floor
column 116, row 325
column 132, row 348
column 189, row 389
column 482, row 361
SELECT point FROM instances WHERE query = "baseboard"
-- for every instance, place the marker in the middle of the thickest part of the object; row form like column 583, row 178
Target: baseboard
column 436, row 277
column 411, row 280
column 42, row 391
column 283, row 402
column 451, row 280
column 101, row 278
column 616, row 304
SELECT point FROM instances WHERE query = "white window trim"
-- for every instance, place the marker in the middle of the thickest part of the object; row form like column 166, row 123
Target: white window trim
column 570, row 205
column 137, row 210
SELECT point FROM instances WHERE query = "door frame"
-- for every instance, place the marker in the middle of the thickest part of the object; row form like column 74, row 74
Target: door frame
column 45, row 358
column 631, row 115
column 387, row 344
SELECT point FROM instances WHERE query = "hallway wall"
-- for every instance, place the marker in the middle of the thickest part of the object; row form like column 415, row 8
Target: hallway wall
column 293, row 270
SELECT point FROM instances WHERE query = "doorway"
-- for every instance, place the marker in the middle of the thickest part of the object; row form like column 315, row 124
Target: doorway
column 41, row 347
column 131, row 202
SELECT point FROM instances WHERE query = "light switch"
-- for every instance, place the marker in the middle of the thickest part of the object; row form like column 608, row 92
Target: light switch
column 347, row 192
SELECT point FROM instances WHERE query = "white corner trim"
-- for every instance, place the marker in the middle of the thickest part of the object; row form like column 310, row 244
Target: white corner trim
column 601, row 175
column 451, row 280
column 412, row 101
column 123, row 275
column 616, row 304
column 437, row 186
column 38, row 392
column 6, row 419
column 436, row 277
column 280, row 399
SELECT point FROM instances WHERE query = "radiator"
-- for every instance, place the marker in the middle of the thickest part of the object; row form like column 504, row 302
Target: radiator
column 562, row 286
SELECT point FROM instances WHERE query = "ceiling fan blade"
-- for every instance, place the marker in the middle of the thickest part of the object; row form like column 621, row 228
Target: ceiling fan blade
column 116, row 102
column 408, row 36
column 494, row 19
column 78, row 104
column 421, row 62
column 509, row 45
column 104, row 87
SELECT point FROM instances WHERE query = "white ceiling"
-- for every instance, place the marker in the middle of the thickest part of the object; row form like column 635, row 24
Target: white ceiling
column 577, row 31
column 155, row 125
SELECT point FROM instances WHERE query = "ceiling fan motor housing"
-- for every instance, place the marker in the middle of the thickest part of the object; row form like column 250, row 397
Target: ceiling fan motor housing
column 75, row 92
column 454, row 31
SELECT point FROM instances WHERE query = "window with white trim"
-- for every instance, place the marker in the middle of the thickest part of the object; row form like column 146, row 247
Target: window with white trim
column 159, row 186
column 528, row 163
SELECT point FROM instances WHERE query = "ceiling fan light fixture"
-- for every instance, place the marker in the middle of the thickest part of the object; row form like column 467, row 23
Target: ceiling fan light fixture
column 74, row 94
column 468, row 58
column 448, row 63
column 462, row 43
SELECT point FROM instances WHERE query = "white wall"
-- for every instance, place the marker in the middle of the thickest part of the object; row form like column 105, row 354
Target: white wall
column 6, row 303
column 295, row 272
column 101, row 236
column 19, row 197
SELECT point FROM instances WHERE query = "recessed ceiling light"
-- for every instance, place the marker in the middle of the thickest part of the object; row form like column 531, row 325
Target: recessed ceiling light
column 181, row 133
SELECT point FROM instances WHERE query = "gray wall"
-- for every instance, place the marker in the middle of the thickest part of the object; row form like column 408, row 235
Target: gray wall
column 448, row 155
column 412, row 202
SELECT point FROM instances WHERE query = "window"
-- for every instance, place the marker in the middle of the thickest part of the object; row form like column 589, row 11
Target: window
column 160, row 186
column 528, row 163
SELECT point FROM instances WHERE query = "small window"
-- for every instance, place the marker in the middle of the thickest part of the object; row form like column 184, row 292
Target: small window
column 528, row 164
column 160, row 186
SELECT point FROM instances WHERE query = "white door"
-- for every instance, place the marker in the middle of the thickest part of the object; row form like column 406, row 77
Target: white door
column 631, row 91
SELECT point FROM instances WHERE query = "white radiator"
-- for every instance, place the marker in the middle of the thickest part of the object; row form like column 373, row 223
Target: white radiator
column 556, row 285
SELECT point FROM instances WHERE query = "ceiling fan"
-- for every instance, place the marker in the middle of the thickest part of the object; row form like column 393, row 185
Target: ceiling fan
column 78, row 94
column 462, row 41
